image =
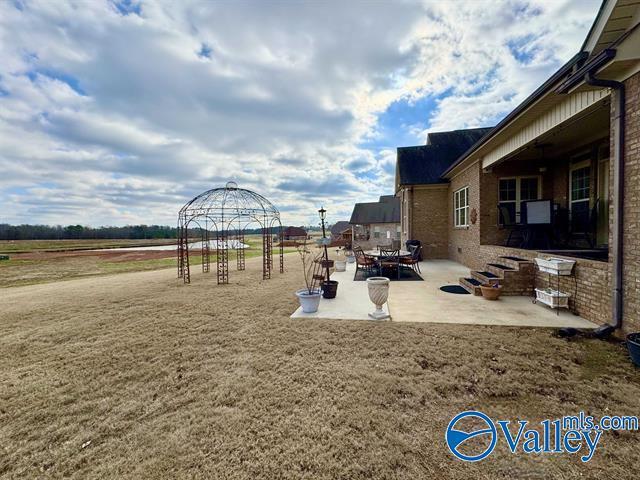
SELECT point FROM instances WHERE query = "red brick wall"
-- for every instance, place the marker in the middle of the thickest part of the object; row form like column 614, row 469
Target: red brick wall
column 631, row 249
column 464, row 242
column 429, row 220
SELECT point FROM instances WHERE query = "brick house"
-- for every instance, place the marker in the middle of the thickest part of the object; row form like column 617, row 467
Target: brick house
column 376, row 223
column 422, row 191
column 573, row 144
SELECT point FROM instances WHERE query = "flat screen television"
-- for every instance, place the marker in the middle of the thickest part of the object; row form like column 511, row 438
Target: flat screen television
column 539, row 212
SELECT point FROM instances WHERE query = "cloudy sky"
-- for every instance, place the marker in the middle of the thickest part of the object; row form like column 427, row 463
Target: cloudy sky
column 118, row 112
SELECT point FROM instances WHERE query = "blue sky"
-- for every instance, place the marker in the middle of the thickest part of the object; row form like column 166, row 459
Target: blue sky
column 116, row 112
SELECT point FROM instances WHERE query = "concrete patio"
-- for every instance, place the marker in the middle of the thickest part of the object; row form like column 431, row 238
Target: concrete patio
column 415, row 301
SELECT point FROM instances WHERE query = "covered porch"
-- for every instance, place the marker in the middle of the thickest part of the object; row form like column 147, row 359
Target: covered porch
column 552, row 193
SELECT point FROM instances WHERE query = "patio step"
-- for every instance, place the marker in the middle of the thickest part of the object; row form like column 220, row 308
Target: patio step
column 499, row 270
column 514, row 262
column 485, row 277
column 471, row 285
column 517, row 274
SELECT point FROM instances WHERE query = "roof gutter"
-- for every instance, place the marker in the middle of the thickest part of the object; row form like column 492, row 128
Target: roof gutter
column 579, row 75
column 618, row 200
column 586, row 74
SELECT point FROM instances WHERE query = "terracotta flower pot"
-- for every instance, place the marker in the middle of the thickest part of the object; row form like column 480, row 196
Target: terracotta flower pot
column 490, row 292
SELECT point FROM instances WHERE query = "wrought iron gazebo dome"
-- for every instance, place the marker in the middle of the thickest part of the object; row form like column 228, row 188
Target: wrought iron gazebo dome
column 226, row 212
column 230, row 199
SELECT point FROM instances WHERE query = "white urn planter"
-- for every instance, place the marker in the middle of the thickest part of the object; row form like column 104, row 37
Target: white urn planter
column 340, row 265
column 350, row 257
column 309, row 301
column 378, row 293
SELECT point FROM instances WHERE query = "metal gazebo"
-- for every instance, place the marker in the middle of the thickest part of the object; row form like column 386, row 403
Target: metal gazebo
column 222, row 215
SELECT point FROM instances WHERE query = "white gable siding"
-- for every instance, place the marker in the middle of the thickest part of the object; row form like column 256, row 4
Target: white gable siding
column 570, row 106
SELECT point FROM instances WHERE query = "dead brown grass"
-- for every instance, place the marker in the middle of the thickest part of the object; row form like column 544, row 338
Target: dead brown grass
column 206, row 381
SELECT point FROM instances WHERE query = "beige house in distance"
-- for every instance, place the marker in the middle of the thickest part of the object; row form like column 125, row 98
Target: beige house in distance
column 570, row 153
column 376, row 223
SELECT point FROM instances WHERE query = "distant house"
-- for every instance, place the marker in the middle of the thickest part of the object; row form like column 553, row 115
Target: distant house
column 422, row 191
column 294, row 233
column 341, row 233
column 339, row 228
column 376, row 223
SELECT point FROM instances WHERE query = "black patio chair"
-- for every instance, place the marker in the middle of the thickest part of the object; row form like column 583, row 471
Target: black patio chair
column 507, row 220
column 414, row 260
column 363, row 261
column 390, row 259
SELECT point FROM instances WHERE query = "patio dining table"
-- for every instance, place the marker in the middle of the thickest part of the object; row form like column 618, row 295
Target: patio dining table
column 377, row 254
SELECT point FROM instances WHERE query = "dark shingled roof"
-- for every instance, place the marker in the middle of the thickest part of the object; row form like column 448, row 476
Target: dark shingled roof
column 294, row 232
column 340, row 227
column 424, row 164
column 386, row 210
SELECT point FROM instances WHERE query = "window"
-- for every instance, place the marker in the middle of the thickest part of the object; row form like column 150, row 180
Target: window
column 376, row 232
column 580, row 188
column 461, row 207
column 512, row 192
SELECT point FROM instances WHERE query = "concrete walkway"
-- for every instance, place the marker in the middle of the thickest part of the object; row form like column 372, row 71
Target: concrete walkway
column 425, row 302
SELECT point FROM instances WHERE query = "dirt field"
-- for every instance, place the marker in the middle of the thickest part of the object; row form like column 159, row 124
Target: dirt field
column 24, row 246
column 138, row 376
column 54, row 260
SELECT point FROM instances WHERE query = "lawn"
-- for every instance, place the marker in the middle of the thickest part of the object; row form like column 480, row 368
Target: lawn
column 35, row 261
column 139, row 376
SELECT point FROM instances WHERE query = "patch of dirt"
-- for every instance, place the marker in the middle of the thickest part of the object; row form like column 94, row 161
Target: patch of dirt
column 112, row 255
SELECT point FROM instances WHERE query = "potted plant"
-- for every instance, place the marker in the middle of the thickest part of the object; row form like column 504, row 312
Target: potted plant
column 309, row 297
column 340, row 264
column 491, row 291
column 349, row 255
column 633, row 345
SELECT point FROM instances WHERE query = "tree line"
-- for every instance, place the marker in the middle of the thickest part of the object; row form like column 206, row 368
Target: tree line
column 80, row 232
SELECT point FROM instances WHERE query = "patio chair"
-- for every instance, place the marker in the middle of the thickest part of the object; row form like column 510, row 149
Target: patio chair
column 414, row 260
column 364, row 261
column 507, row 220
column 390, row 259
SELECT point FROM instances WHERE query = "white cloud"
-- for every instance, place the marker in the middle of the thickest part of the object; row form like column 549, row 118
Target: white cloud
column 112, row 118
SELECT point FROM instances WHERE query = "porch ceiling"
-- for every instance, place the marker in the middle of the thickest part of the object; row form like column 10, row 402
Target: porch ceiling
column 591, row 125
